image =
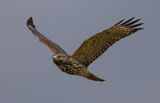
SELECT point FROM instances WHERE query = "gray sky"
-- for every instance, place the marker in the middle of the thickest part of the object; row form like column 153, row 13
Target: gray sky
column 131, row 66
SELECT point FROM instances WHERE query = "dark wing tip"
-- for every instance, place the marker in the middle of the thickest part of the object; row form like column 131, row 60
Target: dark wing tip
column 136, row 29
column 128, row 21
column 119, row 22
column 131, row 24
column 30, row 22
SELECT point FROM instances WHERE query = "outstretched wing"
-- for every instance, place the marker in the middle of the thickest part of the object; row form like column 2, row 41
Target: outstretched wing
column 51, row 45
column 96, row 45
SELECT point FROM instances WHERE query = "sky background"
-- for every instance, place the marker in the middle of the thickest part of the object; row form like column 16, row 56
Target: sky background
column 131, row 67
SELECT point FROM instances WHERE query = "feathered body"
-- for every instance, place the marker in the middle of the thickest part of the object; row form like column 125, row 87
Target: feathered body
column 69, row 65
column 90, row 49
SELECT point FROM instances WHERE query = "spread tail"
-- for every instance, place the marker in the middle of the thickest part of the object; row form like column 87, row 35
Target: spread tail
column 93, row 77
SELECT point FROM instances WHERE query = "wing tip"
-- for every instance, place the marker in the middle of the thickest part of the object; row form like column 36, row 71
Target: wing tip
column 30, row 22
column 131, row 23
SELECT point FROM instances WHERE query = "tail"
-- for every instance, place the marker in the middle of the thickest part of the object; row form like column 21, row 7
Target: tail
column 93, row 77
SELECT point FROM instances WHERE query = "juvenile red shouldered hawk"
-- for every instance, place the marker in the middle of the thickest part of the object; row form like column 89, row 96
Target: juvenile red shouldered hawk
column 89, row 50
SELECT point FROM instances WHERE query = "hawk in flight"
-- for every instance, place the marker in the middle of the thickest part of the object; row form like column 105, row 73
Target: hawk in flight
column 89, row 50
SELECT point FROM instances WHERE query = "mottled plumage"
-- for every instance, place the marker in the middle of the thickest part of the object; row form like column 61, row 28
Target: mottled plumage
column 89, row 50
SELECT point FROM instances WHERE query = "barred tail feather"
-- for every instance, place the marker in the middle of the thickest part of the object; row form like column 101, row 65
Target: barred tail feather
column 93, row 77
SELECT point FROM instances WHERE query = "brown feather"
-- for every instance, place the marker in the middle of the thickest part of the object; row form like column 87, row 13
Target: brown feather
column 56, row 49
column 97, row 44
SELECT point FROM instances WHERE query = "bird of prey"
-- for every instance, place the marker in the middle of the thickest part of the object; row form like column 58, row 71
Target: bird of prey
column 89, row 50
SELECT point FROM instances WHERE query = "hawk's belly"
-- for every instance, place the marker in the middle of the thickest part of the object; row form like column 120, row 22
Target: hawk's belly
column 70, row 66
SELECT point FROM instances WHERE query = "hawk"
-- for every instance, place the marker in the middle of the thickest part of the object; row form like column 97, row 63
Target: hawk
column 89, row 50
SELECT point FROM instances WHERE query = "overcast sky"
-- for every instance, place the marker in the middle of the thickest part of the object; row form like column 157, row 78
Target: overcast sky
column 131, row 67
